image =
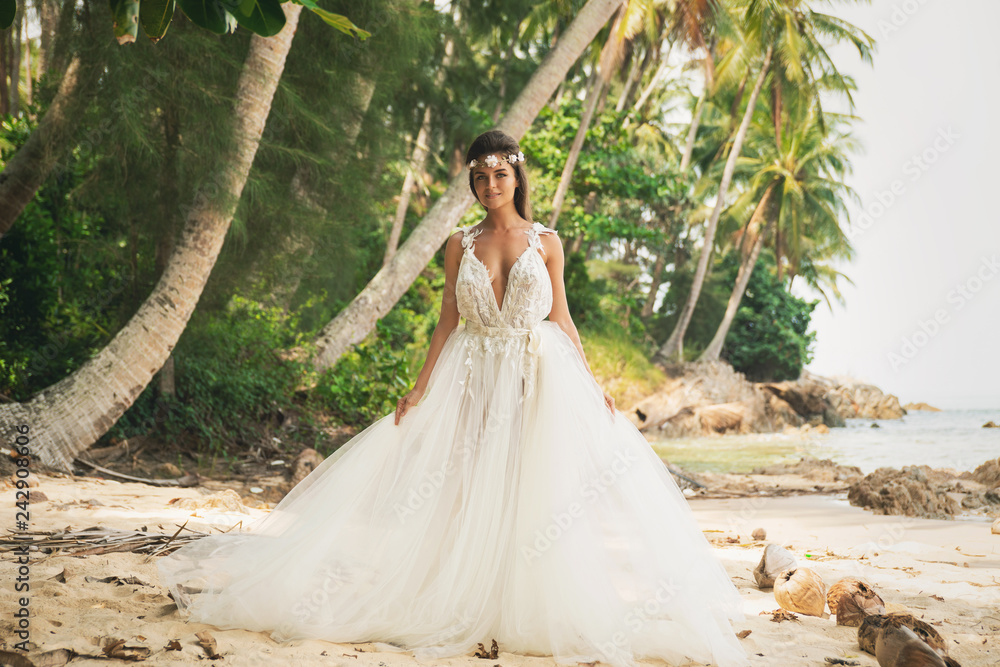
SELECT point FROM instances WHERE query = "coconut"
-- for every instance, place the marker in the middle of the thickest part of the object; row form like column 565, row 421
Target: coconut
column 851, row 599
column 800, row 590
column 871, row 626
column 774, row 560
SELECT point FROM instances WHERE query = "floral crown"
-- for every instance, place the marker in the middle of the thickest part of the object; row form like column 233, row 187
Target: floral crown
column 492, row 160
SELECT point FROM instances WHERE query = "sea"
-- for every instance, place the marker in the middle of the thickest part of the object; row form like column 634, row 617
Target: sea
column 952, row 439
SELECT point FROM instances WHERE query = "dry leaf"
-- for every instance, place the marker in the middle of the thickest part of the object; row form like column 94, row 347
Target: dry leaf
column 173, row 645
column 743, row 634
column 207, row 642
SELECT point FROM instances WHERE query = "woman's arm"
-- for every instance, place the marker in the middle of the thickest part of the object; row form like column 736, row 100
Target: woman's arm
column 447, row 322
column 555, row 262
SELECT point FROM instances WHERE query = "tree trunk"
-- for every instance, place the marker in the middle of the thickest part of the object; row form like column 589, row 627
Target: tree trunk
column 674, row 347
column 48, row 19
column 72, row 414
column 30, row 165
column 418, row 159
column 593, row 96
column 361, row 94
column 15, row 61
column 747, row 265
column 630, row 81
column 654, row 286
column 693, row 131
column 28, row 82
column 4, row 66
column 355, row 321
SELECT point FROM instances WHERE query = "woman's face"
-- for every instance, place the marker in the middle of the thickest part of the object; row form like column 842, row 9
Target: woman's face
column 495, row 185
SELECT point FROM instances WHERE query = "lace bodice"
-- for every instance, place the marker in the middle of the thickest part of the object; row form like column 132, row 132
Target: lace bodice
column 528, row 296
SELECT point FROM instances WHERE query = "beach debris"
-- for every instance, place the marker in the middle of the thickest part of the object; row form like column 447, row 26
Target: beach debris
column 131, row 581
column 185, row 481
column 840, row 661
column 900, row 647
column 775, row 559
column 779, row 615
column 743, row 634
column 991, row 424
column 875, row 425
column 173, row 645
column 996, row 527
column 207, row 642
column 55, row 658
column 99, row 540
column 871, row 626
column 800, row 590
column 226, row 500
column 492, row 654
column 908, row 492
column 759, row 534
column 851, row 599
column 305, row 462
column 119, row 650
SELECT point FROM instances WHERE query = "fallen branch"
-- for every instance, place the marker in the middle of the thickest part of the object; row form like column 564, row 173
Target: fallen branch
column 185, row 481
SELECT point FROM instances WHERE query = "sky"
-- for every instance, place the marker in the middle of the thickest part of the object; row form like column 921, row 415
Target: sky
column 922, row 318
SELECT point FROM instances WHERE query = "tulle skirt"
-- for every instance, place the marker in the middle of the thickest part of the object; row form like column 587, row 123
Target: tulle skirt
column 543, row 522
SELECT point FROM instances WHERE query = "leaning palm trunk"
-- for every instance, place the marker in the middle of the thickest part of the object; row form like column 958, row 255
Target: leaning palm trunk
column 593, row 96
column 747, row 265
column 72, row 414
column 418, row 162
column 355, row 321
column 674, row 347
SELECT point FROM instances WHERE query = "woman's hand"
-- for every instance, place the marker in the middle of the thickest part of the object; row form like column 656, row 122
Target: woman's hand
column 610, row 402
column 407, row 402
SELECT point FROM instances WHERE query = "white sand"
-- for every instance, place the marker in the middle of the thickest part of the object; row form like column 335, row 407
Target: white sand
column 907, row 560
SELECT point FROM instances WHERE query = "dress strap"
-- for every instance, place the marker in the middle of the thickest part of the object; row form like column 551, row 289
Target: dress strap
column 534, row 240
column 469, row 235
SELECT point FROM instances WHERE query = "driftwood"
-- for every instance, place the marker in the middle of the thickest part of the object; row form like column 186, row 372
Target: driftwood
column 97, row 540
column 186, row 480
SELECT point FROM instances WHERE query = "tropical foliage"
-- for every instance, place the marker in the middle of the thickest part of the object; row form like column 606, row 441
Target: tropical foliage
column 688, row 160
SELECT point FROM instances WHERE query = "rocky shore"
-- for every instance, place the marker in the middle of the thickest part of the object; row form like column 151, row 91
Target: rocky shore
column 711, row 398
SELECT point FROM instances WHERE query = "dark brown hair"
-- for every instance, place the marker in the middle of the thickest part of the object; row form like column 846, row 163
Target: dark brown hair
column 501, row 143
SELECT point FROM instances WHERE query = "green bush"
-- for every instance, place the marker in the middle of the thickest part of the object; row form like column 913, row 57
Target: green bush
column 769, row 339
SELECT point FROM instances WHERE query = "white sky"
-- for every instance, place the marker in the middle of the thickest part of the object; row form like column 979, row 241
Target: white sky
column 932, row 92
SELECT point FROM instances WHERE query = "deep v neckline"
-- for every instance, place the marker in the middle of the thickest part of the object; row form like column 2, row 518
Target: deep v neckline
column 472, row 249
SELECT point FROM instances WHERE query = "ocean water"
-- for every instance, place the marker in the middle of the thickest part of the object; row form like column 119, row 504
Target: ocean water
column 948, row 439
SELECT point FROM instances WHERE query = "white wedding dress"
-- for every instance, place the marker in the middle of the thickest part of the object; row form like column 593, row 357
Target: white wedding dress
column 508, row 504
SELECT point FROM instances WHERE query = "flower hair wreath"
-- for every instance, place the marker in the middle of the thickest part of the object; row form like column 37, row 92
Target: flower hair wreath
column 492, row 160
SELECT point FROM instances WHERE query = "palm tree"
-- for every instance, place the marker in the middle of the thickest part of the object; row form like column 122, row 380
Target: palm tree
column 72, row 414
column 354, row 322
column 794, row 31
column 803, row 189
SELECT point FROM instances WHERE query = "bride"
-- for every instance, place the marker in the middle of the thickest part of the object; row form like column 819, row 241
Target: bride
column 505, row 499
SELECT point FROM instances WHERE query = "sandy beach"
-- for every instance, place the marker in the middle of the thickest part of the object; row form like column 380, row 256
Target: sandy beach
column 944, row 572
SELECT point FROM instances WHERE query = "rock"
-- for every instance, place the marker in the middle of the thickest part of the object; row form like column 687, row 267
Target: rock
column 822, row 428
column 36, row 496
column 818, row 470
column 991, row 424
column 166, row 471
column 996, row 527
column 307, row 461
column 920, row 406
column 875, row 425
column 913, row 491
column 988, row 474
column 759, row 534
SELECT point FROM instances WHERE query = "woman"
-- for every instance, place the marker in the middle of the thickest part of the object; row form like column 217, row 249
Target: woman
column 504, row 500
